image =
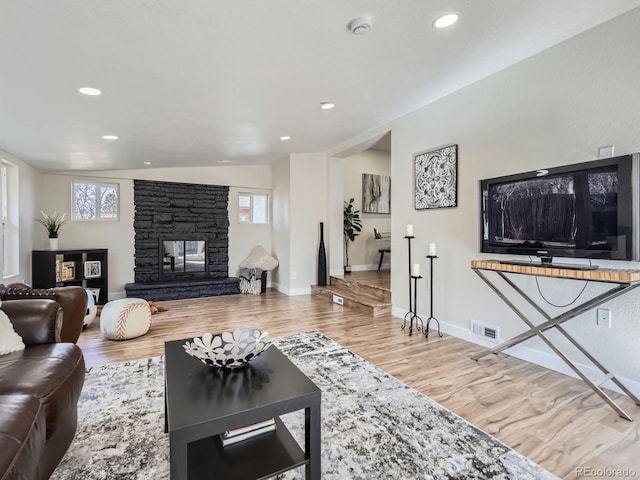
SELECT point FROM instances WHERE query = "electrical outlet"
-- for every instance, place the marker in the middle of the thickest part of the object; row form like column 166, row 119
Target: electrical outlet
column 606, row 152
column 294, row 275
column 338, row 299
column 604, row 317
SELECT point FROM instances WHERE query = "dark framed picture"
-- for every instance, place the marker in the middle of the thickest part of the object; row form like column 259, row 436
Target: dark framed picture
column 436, row 175
column 376, row 193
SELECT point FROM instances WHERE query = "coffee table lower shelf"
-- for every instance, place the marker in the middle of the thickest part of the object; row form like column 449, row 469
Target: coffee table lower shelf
column 260, row 457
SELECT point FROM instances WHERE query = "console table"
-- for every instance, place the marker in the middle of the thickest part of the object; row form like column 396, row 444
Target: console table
column 620, row 281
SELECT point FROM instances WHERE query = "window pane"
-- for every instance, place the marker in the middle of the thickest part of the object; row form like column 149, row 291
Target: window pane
column 244, row 208
column 109, row 202
column 84, row 201
column 259, row 209
column 95, row 201
column 4, row 200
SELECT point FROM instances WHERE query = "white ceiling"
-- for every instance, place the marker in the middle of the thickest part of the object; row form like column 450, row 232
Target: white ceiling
column 198, row 82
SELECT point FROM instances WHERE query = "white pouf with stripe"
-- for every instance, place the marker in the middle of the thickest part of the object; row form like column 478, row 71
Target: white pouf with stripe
column 125, row 318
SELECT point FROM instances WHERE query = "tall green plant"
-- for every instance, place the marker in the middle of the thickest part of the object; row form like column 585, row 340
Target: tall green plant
column 352, row 226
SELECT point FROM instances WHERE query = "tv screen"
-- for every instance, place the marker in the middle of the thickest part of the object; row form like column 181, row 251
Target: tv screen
column 584, row 210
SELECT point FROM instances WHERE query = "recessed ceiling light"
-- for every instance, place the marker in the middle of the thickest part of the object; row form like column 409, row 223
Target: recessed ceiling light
column 326, row 105
column 225, row 161
column 446, row 20
column 110, row 137
column 90, row 91
column 285, row 137
column 147, row 163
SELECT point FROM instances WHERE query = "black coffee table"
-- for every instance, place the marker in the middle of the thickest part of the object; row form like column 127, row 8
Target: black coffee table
column 201, row 402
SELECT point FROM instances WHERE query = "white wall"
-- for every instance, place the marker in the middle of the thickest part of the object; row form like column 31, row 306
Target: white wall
column 309, row 197
column 118, row 236
column 29, row 195
column 363, row 252
column 281, row 235
column 555, row 108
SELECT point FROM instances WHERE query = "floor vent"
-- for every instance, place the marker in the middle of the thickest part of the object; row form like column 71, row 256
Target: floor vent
column 486, row 331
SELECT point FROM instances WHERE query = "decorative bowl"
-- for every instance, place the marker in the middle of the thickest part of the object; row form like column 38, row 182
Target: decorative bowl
column 228, row 349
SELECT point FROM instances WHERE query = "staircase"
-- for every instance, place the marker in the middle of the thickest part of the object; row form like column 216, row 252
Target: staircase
column 358, row 292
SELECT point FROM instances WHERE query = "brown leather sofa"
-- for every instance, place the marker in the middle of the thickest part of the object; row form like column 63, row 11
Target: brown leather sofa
column 40, row 385
column 73, row 301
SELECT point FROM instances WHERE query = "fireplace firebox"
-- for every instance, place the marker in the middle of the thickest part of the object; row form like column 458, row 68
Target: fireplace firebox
column 183, row 258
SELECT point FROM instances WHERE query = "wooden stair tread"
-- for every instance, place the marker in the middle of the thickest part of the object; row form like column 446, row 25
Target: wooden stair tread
column 358, row 296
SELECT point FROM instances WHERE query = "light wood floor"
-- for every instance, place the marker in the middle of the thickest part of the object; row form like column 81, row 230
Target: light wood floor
column 552, row 419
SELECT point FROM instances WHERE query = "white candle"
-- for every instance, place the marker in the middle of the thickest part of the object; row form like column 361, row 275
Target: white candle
column 409, row 230
column 415, row 270
column 432, row 250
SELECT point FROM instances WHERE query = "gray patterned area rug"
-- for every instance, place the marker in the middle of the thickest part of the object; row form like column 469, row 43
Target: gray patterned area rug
column 373, row 425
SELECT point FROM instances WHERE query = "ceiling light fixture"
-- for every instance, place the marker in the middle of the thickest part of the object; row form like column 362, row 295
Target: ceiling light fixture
column 147, row 163
column 285, row 137
column 90, row 91
column 110, row 137
column 446, row 20
column 225, row 161
column 326, row 105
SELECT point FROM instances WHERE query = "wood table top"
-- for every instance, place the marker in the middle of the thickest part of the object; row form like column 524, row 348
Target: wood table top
column 599, row 275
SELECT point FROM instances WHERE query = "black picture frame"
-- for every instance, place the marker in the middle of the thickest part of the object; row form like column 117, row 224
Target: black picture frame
column 436, row 178
column 376, row 193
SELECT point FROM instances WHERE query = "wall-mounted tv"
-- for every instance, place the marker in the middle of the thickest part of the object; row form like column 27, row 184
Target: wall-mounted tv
column 585, row 210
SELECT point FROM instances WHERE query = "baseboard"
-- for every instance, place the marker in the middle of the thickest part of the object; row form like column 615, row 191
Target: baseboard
column 291, row 292
column 543, row 359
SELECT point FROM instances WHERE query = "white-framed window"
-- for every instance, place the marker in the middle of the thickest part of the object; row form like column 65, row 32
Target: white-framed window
column 95, row 200
column 253, row 208
column 10, row 218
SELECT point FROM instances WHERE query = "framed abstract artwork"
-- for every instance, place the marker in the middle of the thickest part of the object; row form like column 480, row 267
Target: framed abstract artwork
column 437, row 178
column 376, row 193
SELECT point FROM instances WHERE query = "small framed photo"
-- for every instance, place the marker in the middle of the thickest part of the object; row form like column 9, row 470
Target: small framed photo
column 92, row 269
column 68, row 271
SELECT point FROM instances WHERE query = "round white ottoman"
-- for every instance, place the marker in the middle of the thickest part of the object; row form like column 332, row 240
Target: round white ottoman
column 125, row 318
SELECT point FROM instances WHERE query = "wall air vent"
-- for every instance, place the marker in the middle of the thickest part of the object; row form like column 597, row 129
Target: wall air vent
column 486, row 331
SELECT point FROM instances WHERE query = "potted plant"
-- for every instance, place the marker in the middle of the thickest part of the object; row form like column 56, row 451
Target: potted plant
column 53, row 223
column 352, row 226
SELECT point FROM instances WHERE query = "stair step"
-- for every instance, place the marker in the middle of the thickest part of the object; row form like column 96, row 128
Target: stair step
column 361, row 301
column 374, row 291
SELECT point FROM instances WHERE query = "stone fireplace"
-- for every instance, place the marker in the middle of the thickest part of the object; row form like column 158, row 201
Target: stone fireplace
column 181, row 241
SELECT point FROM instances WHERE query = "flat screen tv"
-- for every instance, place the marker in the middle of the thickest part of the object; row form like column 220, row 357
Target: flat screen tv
column 586, row 210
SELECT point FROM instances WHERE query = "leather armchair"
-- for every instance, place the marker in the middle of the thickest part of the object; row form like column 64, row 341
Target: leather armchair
column 39, row 390
column 73, row 301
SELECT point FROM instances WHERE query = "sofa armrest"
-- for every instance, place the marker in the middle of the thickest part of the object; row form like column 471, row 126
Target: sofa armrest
column 37, row 321
column 73, row 301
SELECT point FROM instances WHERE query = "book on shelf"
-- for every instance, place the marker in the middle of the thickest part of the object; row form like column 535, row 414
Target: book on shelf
column 246, row 435
column 58, row 270
column 248, row 428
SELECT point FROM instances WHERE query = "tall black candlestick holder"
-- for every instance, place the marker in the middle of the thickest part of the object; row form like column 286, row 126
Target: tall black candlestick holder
column 411, row 315
column 431, row 317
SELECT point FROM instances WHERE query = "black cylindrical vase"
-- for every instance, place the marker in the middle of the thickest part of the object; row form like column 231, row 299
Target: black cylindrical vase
column 322, row 259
